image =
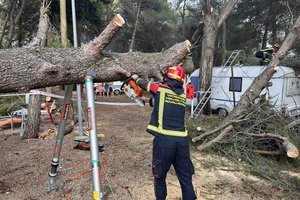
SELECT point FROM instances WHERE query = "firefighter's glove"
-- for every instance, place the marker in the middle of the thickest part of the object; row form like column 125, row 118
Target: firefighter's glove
column 134, row 77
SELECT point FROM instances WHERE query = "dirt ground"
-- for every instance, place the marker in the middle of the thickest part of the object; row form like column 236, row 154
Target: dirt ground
column 126, row 160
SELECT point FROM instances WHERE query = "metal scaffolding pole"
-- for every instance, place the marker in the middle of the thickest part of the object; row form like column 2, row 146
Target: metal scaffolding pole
column 74, row 24
column 94, row 148
column 59, row 138
column 78, row 86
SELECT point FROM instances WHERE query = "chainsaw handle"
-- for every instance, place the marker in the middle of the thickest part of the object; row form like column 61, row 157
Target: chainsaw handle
column 125, row 82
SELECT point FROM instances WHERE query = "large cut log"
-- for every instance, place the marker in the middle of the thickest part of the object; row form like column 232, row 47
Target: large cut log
column 287, row 147
column 290, row 149
column 28, row 68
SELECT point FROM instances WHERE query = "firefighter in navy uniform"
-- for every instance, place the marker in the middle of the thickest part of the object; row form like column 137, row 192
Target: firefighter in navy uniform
column 167, row 124
column 266, row 54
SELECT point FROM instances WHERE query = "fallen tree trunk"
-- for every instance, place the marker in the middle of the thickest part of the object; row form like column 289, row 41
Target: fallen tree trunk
column 259, row 83
column 28, row 68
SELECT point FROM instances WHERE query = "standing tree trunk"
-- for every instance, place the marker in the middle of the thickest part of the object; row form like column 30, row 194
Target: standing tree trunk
column 196, row 42
column 212, row 24
column 265, row 37
column 183, row 17
column 207, row 57
column 12, row 23
column 223, row 38
column 32, row 127
column 63, row 22
column 34, row 111
column 11, row 6
column 135, row 26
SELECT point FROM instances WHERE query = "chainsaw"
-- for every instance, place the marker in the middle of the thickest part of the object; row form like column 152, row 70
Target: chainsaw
column 133, row 91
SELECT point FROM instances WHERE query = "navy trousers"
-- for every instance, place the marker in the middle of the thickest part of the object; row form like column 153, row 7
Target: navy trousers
column 165, row 154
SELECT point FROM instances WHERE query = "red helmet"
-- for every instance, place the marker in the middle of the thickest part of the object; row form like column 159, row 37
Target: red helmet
column 176, row 73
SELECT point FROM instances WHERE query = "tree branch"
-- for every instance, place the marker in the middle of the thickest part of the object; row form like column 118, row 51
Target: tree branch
column 43, row 27
column 293, row 124
column 226, row 10
column 217, row 139
column 100, row 42
column 223, row 126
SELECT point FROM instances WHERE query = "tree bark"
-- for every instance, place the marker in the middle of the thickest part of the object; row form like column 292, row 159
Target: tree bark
column 43, row 27
column 224, row 42
column 139, row 2
column 33, row 120
column 11, row 6
column 198, row 34
column 33, row 111
column 183, row 18
column 196, row 43
column 23, row 69
column 212, row 24
column 63, row 22
column 13, row 22
column 265, row 37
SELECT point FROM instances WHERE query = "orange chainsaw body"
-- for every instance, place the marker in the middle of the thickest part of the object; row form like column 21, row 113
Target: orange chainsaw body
column 133, row 91
column 136, row 89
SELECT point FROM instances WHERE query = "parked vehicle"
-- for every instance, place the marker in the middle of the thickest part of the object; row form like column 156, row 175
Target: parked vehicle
column 117, row 87
column 284, row 92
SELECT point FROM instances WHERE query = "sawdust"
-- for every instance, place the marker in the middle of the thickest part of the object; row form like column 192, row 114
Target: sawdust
column 49, row 132
column 25, row 164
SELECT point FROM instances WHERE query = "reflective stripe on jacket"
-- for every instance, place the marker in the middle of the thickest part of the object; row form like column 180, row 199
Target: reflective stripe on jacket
column 168, row 114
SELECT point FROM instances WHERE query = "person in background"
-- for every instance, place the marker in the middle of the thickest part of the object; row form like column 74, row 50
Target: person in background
column 96, row 90
column 167, row 125
column 106, row 89
column 111, row 93
column 100, row 88
column 266, row 55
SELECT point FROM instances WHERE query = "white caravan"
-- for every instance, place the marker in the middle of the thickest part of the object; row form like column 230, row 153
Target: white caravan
column 284, row 92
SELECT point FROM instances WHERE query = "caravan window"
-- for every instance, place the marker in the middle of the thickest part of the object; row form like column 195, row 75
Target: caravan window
column 237, row 84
